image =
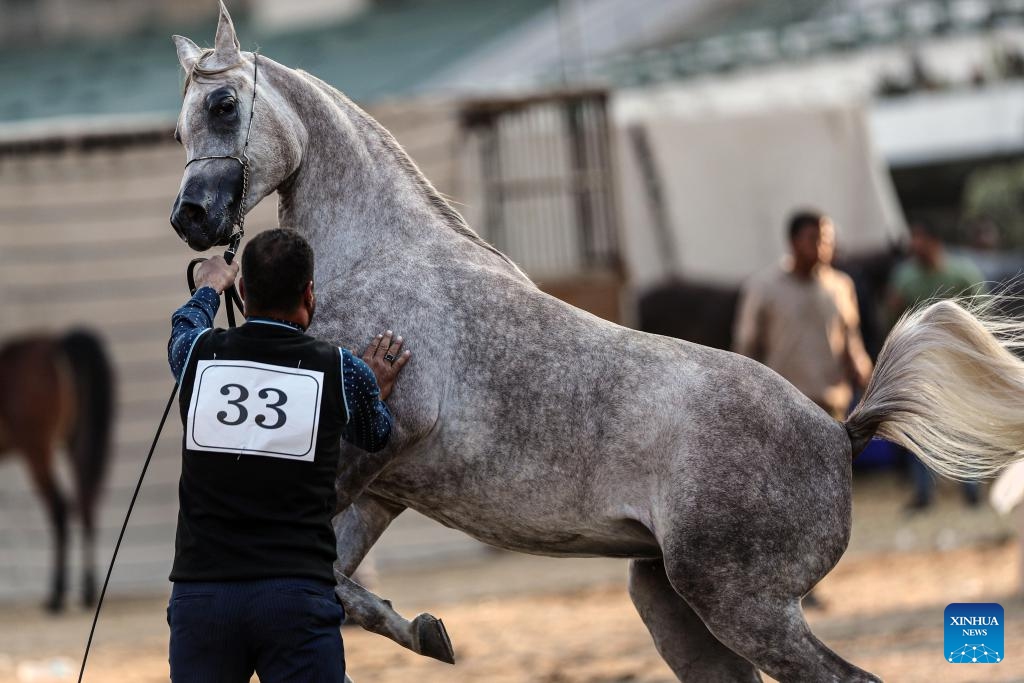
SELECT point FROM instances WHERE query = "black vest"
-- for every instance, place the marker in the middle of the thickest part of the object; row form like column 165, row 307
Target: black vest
column 253, row 514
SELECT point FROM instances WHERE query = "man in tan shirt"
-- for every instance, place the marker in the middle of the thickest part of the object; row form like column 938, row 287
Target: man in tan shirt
column 801, row 319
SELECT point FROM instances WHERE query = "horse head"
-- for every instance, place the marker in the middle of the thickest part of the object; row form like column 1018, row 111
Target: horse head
column 232, row 123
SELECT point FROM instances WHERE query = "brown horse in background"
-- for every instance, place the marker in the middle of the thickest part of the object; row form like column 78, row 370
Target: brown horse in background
column 58, row 391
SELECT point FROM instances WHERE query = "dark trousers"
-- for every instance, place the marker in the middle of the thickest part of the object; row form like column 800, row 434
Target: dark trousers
column 284, row 630
column 924, row 483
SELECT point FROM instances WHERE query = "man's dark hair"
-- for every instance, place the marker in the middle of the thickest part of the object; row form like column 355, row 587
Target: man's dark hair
column 926, row 225
column 806, row 218
column 276, row 265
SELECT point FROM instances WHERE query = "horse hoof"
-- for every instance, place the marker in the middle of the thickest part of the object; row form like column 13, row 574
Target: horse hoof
column 432, row 638
column 89, row 592
column 54, row 605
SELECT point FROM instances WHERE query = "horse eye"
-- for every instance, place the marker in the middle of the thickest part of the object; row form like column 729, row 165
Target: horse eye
column 225, row 107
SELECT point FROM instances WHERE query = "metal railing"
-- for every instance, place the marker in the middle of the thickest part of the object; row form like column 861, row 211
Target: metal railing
column 544, row 172
column 829, row 33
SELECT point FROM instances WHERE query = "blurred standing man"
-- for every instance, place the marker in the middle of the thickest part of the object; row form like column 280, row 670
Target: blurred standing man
column 931, row 273
column 801, row 319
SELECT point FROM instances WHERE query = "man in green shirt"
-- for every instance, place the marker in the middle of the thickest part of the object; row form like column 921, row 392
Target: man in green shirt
column 931, row 273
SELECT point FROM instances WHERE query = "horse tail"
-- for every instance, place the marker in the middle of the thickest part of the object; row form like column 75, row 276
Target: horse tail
column 949, row 387
column 93, row 381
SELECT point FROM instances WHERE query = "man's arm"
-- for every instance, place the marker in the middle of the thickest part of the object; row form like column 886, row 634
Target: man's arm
column 858, row 362
column 367, row 383
column 747, row 334
column 187, row 324
column 196, row 316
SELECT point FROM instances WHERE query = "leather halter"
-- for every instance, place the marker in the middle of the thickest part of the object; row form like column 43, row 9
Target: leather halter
column 231, row 297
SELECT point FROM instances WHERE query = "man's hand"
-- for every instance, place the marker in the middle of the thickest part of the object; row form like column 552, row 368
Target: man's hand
column 215, row 272
column 385, row 357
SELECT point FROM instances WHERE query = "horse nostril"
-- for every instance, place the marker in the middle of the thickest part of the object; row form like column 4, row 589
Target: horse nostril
column 188, row 215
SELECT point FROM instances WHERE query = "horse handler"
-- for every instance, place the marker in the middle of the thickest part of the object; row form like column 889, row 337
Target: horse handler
column 264, row 408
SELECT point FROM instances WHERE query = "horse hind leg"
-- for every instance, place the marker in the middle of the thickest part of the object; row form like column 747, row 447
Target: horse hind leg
column 88, row 515
column 45, row 482
column 87, row 500
column 776, row 636
column 682, row 639
column 750, row 601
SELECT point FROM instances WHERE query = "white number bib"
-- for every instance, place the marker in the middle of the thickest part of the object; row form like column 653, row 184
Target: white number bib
column 255, row 409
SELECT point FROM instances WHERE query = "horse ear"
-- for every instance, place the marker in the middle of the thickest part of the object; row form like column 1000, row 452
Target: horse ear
column 188, row 52
column 226, row 44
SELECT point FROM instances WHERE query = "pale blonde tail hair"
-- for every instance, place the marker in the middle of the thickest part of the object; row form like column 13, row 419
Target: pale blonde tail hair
column 949, row 387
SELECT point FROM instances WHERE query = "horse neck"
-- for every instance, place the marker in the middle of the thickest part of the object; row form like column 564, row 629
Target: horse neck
column 353, row 197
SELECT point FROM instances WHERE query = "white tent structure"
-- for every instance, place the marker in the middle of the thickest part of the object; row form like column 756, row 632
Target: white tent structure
column 731, row 172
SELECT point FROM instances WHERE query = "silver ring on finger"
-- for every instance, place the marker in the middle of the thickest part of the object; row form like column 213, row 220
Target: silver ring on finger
column 390, row 358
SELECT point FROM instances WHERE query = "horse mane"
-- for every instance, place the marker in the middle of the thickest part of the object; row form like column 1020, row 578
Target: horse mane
column 199, row 70
column 448, row 214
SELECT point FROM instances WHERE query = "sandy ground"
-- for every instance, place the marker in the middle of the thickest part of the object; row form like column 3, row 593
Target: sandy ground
column 883, row 612
column 519, row 618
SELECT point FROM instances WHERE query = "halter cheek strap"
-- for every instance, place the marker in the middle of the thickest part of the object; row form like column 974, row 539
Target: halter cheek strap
column 231, row 297
column 242, row 159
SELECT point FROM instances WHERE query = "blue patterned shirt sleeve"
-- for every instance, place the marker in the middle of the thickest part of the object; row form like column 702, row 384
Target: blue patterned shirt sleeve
column 369, row 420
column 187, row 323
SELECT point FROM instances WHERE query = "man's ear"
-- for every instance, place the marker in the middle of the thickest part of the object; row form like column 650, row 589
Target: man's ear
column 240, row 288
column 308, row 295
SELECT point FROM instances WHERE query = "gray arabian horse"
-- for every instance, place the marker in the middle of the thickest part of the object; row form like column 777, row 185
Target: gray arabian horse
column 534, row 426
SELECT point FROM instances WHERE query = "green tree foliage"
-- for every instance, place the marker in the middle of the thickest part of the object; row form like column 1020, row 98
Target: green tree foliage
column 996, row 193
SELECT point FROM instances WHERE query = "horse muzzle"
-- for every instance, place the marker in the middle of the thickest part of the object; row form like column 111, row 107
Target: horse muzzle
column 206, row 208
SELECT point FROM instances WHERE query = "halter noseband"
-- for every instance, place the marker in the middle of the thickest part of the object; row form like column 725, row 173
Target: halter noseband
column 243, row 160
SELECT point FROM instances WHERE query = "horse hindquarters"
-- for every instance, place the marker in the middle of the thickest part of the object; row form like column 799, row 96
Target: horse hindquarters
column 34, row 410
column 742, row 547
column 92, row 383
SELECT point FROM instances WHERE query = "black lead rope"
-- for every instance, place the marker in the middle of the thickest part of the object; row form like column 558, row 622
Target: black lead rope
column 124, row 526
column 231, row 299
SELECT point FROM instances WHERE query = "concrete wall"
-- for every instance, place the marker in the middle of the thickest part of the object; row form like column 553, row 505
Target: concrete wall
column 85, row 239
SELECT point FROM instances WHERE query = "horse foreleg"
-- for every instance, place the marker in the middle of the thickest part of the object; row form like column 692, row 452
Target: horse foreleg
column 40, row 469
column 357, row 528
